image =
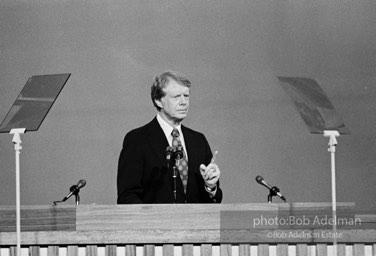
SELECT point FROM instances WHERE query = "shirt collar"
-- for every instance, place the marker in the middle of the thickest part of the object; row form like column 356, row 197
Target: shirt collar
column 166, row 127
column 167, row 130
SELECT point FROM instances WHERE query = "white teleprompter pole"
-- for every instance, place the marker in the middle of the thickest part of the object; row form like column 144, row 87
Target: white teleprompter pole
column 17, row 147
column 332, row 134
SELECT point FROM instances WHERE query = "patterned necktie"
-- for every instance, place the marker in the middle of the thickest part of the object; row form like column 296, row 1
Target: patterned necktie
column 182, row 165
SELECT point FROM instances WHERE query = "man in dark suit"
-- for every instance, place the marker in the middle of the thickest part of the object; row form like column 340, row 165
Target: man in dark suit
column 145, row 175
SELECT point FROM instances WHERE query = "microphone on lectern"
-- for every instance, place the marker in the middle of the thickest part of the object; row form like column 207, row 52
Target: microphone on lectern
column 260, row 180
column 75, row 189
column 178, row 153
column 168, row 154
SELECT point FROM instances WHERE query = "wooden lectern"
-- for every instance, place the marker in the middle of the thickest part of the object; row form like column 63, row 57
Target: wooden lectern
column 122, row 230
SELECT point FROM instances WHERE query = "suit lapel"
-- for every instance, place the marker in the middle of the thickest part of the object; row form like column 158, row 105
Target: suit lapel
column 188, row 142
column 157, row 139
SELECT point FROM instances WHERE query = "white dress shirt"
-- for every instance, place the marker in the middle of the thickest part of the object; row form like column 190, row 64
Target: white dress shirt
column 167, row 129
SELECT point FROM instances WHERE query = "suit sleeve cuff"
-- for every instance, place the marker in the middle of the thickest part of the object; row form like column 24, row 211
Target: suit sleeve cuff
column 211, row 191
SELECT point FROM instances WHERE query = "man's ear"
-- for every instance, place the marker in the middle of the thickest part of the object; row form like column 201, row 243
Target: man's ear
column 159, row 103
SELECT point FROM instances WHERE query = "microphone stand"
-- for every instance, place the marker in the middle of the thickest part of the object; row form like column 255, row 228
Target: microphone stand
column 77, row 198
column 76, row 194
column 272, row 192
column 175, row 174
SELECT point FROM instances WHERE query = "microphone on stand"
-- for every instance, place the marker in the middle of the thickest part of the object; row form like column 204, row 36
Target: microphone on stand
column 73, row 190
column 178, row 153
column 169, row 153
column 273, row 190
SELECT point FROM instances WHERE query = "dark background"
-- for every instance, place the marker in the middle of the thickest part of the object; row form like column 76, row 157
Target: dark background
column 232, row 51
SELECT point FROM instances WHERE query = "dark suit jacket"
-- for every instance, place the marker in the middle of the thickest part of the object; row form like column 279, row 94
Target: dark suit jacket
column 143, row 176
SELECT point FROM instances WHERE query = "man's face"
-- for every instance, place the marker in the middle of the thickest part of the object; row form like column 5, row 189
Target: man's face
column 175, row 104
